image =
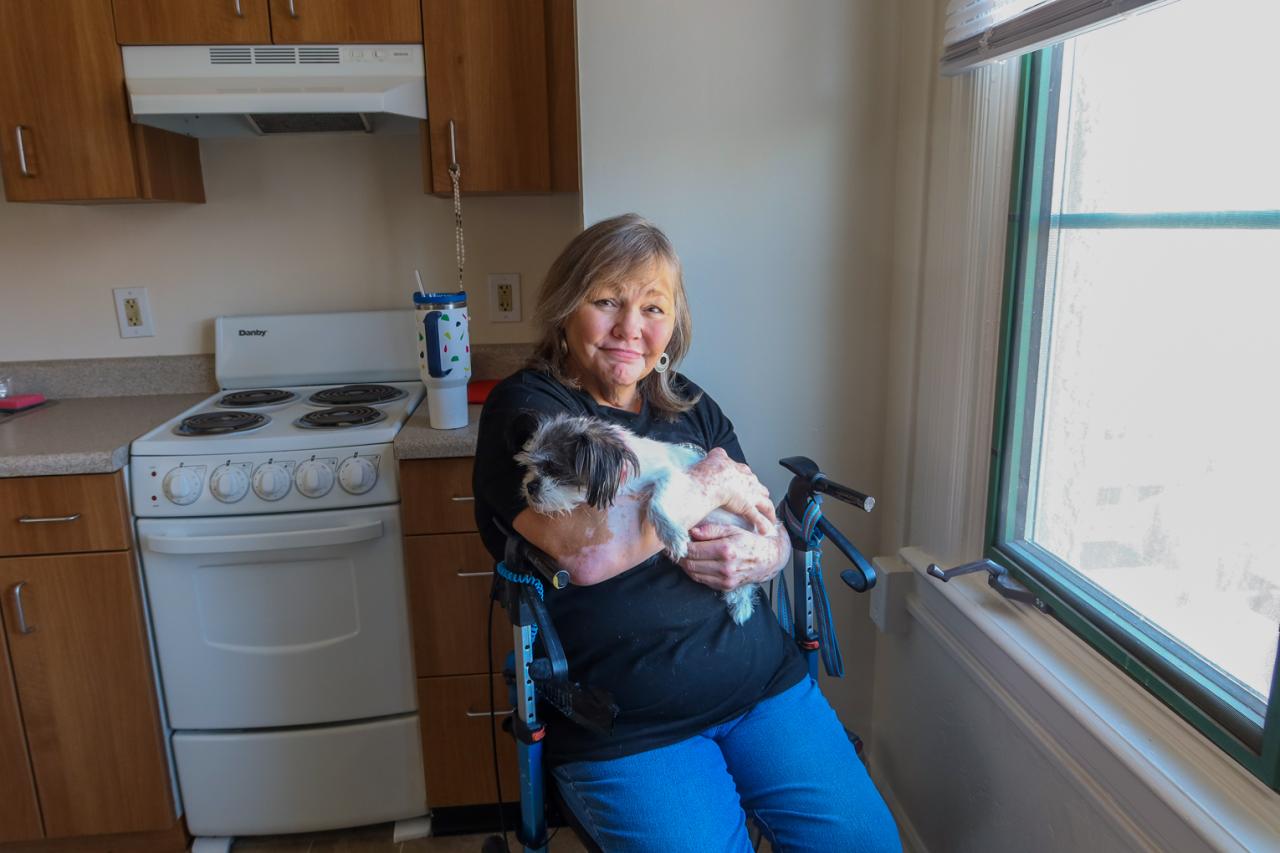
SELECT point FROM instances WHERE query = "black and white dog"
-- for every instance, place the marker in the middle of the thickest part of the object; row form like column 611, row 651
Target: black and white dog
column 574, row 460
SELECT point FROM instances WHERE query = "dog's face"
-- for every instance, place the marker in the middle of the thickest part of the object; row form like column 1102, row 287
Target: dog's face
column 571, row 460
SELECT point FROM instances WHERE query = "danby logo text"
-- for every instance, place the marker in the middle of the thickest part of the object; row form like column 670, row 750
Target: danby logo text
column 244, row 333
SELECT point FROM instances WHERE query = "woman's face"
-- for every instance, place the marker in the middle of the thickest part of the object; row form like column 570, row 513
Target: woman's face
column 620, row 331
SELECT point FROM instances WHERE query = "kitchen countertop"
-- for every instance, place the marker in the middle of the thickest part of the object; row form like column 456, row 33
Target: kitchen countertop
column 82, row 435
column 417, row 440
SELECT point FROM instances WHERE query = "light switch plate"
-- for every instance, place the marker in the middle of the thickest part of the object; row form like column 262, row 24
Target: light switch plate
column 133, row 312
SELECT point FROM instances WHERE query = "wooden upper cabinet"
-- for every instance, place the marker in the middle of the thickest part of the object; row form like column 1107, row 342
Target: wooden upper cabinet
column 82, row 668
column 19, row 810
column 64, row 115
column 192, row 22
column 345, row 21
column 503, row 74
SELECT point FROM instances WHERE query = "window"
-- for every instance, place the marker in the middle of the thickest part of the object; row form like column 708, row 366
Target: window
column 1137, row 447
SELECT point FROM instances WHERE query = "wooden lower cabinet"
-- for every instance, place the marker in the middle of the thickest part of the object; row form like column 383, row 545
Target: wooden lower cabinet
column 56, row 515
column 449, row 577
column 19, row 810
column 456, row 743
column 82, row 671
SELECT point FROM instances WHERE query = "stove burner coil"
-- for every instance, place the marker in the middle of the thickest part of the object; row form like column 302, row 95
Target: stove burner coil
column 357, row 395
column 221, row 423
column 341, row 416
column 257, row 397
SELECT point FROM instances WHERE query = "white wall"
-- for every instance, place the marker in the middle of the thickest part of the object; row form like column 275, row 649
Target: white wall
column 292, row 224
column 759, row 136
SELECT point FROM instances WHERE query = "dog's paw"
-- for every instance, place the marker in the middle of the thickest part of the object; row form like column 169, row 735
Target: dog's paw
column 675, row 542
column 674, row 538
column 741, row 603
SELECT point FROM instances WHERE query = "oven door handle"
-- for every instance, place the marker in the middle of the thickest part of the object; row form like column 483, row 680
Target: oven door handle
column 317, row 538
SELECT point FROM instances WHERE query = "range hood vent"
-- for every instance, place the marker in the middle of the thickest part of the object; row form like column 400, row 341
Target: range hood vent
column 252, row 90
column 275, row 55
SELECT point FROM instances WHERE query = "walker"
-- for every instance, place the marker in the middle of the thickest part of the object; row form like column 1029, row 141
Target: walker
column 543, row 671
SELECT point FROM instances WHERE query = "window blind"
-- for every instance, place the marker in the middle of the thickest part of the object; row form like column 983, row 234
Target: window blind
column 982, row 31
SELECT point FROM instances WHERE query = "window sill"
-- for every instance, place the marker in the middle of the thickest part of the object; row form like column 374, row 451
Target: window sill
column 1162, row 782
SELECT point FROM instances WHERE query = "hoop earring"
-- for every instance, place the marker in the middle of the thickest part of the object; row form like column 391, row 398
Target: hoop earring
column 664, row 361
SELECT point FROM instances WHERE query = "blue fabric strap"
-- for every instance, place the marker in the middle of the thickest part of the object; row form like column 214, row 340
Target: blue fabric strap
column 511, row 576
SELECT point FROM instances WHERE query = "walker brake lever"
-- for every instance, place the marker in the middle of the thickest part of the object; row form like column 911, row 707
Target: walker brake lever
column 865, row 576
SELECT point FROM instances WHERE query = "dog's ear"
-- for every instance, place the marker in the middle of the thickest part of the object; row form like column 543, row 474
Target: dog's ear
column 603, row 461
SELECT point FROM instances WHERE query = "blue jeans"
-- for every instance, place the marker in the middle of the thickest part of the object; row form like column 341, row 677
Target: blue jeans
column 786, row 763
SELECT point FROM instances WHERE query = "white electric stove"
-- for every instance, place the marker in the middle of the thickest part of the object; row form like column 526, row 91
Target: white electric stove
column 269, row 532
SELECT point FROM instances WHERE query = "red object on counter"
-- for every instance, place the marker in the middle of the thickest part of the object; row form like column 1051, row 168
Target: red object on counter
column 18, row 402
column 478, row 391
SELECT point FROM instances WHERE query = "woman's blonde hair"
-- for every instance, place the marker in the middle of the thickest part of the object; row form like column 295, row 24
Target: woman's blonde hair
column 607, row 252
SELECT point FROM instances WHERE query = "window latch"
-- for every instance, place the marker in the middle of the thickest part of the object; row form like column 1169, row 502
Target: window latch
column 998, row 578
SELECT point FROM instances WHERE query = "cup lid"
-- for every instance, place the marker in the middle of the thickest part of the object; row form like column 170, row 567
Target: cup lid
column 456, row 298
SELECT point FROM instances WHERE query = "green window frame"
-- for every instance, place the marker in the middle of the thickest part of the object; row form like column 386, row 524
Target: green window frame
column 1246, row 730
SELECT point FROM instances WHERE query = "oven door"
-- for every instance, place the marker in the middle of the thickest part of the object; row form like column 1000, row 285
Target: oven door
column 280, row 620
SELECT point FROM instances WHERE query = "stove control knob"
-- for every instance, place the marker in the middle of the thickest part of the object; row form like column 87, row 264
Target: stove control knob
column 314, row 478
column 271, row 482
column 182, row 486
column 229, row 484
column 357, row 474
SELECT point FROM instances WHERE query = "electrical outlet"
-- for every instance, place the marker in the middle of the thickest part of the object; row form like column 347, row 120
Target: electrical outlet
column 504, row 297
column 133, row 312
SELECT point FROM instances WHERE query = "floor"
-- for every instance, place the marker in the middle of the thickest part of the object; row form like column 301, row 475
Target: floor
column 377, row 839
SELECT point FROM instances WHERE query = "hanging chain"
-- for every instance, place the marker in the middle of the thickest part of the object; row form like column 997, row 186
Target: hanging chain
column 460, row 246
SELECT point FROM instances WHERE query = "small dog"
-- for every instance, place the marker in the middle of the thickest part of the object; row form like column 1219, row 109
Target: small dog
column 572, row 460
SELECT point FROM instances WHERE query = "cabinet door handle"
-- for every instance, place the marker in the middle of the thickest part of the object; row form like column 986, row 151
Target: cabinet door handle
column 505, row 713
column 453, row 146
column 474, row 574
column 239, row 11
column 293, row 11
column 461, row 498
column 23, row 167
column 50, row 519
column 23, row 627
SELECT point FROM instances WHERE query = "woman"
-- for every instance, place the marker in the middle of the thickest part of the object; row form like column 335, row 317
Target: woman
column 718, row 721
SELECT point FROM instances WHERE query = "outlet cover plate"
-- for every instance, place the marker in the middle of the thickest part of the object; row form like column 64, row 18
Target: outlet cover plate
column 504, row 297
column 133, row 312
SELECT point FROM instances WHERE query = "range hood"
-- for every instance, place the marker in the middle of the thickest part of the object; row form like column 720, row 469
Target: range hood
column 252, row 90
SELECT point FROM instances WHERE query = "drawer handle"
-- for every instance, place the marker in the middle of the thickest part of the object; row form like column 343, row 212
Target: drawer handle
column 475, row 574
column 506, row 713
column 461, row 498
column 293, row 12
column 23, row 627
column 52, row 519
column 239, row 11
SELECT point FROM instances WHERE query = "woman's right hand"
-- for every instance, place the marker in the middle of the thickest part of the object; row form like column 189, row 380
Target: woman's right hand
column 737, row 489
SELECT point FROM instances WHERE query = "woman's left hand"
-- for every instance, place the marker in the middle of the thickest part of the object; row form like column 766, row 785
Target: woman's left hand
column 725, row 557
